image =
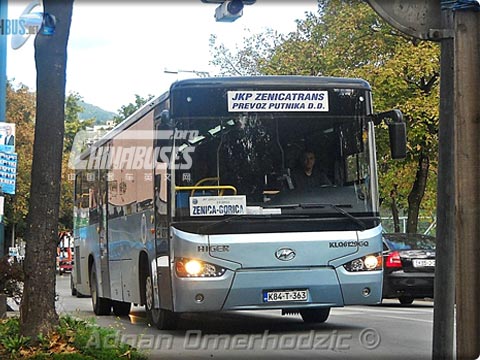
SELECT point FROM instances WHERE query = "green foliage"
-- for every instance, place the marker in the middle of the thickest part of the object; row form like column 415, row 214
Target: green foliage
column 126, row 110
column 346, row 38
column 11, row 278
column 73, row 123
column 9, row 327
column 248, row 59
column 62, row 356
column 97, row 342
column 14, row 343
column 11, row 342
column 73, row 339
column 20, row 110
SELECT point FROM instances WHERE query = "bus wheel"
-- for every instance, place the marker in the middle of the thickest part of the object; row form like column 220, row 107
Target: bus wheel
column 315, row 315
column 405, row 300
column 101, row 306
column 121, row 308
column 161, row 318
column 72, row 286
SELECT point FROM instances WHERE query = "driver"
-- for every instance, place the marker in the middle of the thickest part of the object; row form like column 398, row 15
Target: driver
column 309, row 176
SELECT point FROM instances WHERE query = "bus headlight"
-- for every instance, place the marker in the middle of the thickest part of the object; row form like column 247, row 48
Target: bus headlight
column 366, row 263
column 197, row 268
column 193, row 267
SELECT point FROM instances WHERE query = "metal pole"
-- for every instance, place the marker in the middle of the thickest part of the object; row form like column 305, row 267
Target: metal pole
column 3, row 59
column 444, row 288
column 467, row 171
column 3, row 96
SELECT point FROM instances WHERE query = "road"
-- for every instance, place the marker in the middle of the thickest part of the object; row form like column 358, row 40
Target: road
column 385, row 331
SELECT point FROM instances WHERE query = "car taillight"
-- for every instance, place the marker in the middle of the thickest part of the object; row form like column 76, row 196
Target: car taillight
column 393, row 260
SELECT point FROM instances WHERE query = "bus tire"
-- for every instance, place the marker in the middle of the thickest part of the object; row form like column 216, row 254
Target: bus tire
column 72, row 286
column 101, row 306
column 161, row 318
column 121, row 308
column 315, row 315
column 406, row 300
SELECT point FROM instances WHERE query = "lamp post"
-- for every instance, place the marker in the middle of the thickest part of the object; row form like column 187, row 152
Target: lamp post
column 202, row 74
column 3, row 97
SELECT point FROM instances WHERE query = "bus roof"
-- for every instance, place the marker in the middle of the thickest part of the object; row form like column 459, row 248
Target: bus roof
column 270, row 81
column 276, row 81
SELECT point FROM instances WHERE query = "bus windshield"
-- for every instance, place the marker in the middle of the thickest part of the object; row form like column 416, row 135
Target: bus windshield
column 273, row 164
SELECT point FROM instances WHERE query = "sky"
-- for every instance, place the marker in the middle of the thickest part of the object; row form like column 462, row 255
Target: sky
column 122, row 48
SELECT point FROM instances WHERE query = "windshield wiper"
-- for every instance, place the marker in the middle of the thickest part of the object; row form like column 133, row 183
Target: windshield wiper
column 337, row 208
column 233, row 218
column 341, row 211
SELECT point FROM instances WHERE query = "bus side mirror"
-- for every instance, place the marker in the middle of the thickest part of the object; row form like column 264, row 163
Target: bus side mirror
column 165, row 119
column 397, row 132
column 163, row 122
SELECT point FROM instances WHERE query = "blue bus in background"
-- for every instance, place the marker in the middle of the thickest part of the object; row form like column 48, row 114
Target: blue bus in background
column 196, row 202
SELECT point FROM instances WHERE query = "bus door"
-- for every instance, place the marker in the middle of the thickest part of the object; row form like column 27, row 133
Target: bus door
column 102, row 230
column 162, row 242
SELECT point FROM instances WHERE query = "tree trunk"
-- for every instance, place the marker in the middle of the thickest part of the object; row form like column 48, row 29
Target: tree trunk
column 3, row 306
column 396, row 219
column 416, row 195
column 37, row 309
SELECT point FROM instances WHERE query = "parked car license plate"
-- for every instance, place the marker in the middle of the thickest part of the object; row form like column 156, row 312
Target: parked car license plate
column 423, row 262
column 285, row 295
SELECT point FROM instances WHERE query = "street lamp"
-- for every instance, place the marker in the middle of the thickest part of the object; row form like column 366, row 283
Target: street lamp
column 202, row 74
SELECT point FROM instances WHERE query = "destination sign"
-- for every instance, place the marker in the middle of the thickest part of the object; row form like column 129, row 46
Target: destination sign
column 277, row 101
column 218, row 205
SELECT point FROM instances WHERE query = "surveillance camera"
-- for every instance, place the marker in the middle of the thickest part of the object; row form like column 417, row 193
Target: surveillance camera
column 229, row 11
column 32, row 19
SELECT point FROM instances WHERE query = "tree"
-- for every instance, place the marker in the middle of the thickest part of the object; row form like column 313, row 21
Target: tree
column 249, row 59
column 73, row 125
column 346, row 38
column 20, row 110
column 126, row 110
column 37, row 309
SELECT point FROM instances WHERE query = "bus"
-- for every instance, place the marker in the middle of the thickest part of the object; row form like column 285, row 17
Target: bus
column 191, row 205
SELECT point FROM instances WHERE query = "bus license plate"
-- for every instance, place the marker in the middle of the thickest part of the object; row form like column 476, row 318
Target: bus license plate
column 285, row 295
column 423, row 263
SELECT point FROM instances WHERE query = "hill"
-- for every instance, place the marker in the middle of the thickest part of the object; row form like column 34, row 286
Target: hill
column 92, row 111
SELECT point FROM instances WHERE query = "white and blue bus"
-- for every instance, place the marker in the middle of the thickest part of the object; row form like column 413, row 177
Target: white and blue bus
column 192, row 203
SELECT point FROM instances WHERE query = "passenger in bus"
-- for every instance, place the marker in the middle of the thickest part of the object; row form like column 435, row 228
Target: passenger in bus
column 309, row 176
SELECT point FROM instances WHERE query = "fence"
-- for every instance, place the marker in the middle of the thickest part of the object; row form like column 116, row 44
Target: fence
column 426, row 225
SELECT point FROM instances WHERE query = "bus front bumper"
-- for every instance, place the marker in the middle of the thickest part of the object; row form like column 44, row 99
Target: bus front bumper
column 246, row 289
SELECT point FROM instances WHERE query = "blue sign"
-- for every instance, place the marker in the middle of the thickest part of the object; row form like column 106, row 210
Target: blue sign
column 8, row 172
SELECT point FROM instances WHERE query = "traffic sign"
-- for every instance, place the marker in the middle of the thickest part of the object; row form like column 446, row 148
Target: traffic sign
column 413, row 17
